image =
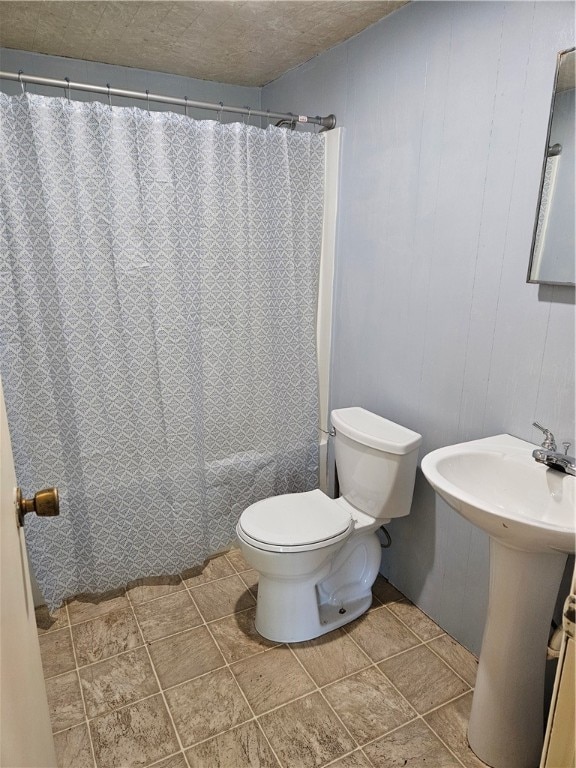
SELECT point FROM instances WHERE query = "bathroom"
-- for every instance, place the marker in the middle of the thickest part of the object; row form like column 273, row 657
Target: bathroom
column 444, row 109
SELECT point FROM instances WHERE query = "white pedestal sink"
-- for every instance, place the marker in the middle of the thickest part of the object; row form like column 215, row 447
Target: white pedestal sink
column 528, row 511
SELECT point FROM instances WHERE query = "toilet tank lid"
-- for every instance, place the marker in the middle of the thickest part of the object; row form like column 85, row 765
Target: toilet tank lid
column 374, row 431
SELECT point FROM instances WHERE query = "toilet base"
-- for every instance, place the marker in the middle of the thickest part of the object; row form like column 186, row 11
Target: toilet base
column 306, row 621
column 331, row 617
column 292, row 610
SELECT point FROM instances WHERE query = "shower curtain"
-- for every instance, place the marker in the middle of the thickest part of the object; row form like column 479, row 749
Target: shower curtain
column 159, row 281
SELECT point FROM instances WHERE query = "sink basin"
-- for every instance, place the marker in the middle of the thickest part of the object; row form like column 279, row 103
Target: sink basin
column 528, row 511
column 497, row 485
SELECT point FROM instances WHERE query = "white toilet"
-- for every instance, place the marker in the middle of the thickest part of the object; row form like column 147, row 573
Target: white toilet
column 319, row 557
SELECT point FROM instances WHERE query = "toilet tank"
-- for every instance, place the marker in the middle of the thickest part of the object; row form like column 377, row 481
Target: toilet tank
column 376, row 461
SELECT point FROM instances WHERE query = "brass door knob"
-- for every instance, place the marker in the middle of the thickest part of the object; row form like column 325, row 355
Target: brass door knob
column 45, row 503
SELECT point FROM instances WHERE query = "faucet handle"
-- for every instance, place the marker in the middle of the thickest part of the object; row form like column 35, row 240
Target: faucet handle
column 549, row 440
column 566, row 446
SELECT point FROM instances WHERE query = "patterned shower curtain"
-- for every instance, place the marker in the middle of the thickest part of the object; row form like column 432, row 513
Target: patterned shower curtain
column 159, row 281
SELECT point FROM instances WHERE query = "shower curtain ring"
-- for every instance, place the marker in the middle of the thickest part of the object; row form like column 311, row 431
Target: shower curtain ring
column 186, row 106
column 67, row 89
column 220, row 111
column 22, row 85
column 109, row 96
column 249, row 113
column 148, row 100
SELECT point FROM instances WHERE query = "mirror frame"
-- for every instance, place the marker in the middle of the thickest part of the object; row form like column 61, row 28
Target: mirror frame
column 529, row 278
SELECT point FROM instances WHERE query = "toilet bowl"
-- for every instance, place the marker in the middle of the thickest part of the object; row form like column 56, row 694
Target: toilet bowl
column 319, row 557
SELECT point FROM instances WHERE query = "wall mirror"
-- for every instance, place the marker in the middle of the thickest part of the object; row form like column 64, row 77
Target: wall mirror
column 552, row 259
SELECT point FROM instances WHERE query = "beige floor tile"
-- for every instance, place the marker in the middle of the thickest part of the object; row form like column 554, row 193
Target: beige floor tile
column 330, row 657
column 143, row 590
column 384, row 591
column 167, row 616
column 272, row 678
column 354, row 760
column 207, row 706
column 217, row 599
column 64, row 701
column 184, row 656
column 450, row 722
column 237, row 637
column 215, row 568
column 456, row 656
column 242, row 747
column 306, row 733
column 412, row 746
column 117, row 681
column 236, row 557
column 47, row 621
column 134, row 736
column 368, row 705
column 56, row 651
column 175, row 761
column 89, row 606
column 73, row 748
column 380, row 634
column 250, row 578
column 413, row 617
column 424, row 679
column 105, row 636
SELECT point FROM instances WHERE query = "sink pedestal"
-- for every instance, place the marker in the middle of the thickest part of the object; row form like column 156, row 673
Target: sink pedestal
column 506, row 728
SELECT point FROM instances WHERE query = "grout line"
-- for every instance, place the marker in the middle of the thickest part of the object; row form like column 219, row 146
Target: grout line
column 228, row 667
column 405, row 624
column 112, row 656
column 215, row 736
column 393, row 730
column 178, row 588
column 167, row 757
column 450, row 667
column 441, row 740
column 375, row 664
column 337, row 760
column 159, row 686
column 112, row 711
column 77, row 670
column 232, row 564
column 444, row 703
column 330, row 707
column 425, row 640
column 408, row 722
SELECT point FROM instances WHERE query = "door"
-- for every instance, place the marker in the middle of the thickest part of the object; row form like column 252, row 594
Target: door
column 24, row 720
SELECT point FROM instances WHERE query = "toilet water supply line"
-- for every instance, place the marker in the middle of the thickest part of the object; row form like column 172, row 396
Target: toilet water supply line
column 332, row 433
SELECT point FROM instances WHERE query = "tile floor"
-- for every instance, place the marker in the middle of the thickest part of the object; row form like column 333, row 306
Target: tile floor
column 171, row 673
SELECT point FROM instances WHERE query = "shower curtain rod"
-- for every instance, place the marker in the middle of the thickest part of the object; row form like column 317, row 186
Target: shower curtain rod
column 327, row 122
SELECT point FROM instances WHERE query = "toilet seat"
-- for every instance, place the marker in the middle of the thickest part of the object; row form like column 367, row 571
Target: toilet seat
column 295, row 522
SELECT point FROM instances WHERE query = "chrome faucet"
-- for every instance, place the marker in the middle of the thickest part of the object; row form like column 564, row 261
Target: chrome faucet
column 549, row 456
column 549, row 440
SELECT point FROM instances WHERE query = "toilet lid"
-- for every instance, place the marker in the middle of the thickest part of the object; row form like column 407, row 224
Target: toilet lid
column 295, row 519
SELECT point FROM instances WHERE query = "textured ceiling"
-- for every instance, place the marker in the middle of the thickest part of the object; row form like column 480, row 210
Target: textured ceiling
column 244, row 43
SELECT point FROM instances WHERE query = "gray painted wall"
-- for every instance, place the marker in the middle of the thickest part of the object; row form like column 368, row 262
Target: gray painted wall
column 445, row 111
column 125, row 77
